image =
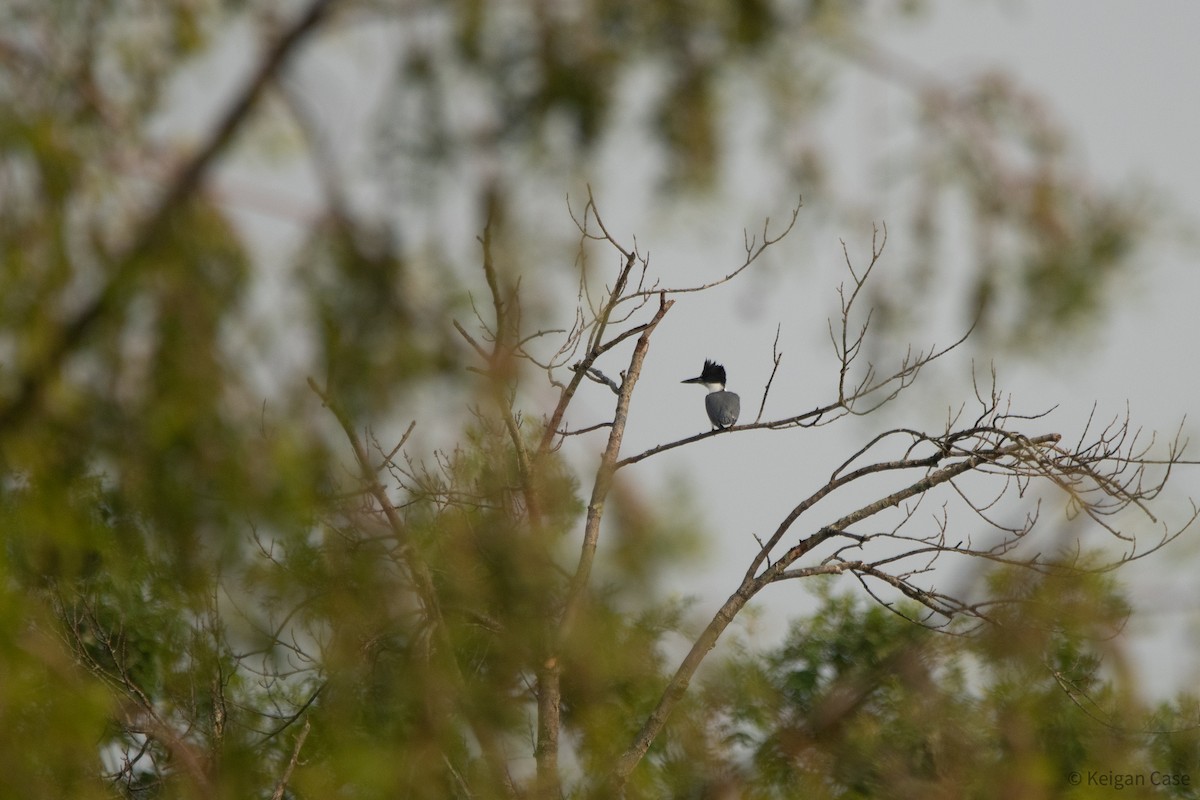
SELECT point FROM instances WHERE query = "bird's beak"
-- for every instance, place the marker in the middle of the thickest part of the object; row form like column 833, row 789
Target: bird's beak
column 693, row 380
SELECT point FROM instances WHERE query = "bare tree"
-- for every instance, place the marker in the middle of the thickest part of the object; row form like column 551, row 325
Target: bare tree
column 454, row 573
column 885, row 544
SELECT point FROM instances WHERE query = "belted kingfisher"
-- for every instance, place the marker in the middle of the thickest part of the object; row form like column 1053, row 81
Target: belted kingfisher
column 722, row 406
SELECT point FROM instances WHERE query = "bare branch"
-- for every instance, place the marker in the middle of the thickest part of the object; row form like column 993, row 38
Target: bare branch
column 776, row 357
column 754, row 249
column 596, row 376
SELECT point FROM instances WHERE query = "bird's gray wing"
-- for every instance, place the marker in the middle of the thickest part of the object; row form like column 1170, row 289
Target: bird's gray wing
column 735, row 407
column 723, row 408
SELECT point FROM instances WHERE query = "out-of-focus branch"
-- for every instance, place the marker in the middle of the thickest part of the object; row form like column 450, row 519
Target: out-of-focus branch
column 423, row 579
column 281, row 786
column 370, row 481
column 43, row 365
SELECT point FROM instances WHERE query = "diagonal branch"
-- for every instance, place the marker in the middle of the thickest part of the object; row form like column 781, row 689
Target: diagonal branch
column 43, row 366
column 608, row 467
column 752, row 583
column 594, row 351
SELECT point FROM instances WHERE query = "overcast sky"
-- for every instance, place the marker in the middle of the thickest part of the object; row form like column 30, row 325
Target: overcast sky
column 1121, row 77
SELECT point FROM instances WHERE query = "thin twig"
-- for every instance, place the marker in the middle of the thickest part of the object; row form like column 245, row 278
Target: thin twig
column 281, row 787
column 776, row 357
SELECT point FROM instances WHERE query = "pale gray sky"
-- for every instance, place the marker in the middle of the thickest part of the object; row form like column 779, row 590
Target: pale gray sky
column 1121, row 77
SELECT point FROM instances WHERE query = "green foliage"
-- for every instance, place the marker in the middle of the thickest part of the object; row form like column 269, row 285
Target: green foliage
column 1047, row 242
column 205, row 592
column 861, row 702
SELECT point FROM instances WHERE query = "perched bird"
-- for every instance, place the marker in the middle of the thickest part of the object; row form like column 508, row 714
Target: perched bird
column 722, row 406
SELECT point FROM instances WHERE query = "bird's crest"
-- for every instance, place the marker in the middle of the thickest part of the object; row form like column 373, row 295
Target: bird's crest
column 712, row 372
